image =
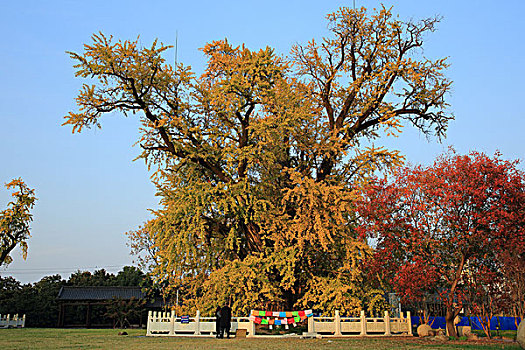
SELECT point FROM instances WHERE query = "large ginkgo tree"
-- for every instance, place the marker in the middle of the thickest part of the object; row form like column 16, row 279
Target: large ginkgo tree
column 257, row 159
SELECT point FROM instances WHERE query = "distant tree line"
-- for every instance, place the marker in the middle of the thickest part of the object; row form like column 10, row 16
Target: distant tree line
column 38, row 301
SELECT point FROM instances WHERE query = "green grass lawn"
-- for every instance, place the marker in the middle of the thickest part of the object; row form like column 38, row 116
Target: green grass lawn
column 34, row 338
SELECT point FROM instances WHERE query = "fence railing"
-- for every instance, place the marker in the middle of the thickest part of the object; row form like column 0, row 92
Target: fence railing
column 360, row 326
column 168, row 324
column 8, row 321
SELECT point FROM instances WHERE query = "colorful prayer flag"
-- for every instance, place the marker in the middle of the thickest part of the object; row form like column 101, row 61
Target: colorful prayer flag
column 272, row 317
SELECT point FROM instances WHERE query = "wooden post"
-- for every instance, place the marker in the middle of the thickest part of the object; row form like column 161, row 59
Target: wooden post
column 387, row 324
column 409, row 321
column 61, row 316
column 337, row 320
column 198, row 323
column 363, row 323
column 88, row 316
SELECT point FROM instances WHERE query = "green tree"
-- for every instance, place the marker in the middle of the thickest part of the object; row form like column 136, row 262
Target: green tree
column 40, row 301
column 97, row 278
column 37, row 301
column 15, row 220
column 10, row 289
column 130, row 276
column 257, row 160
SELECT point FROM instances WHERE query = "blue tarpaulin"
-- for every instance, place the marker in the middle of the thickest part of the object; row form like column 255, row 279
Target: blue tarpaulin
column 505, row 323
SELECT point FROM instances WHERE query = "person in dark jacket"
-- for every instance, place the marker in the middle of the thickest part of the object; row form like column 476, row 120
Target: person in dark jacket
column 226, row 319
column 218, row 322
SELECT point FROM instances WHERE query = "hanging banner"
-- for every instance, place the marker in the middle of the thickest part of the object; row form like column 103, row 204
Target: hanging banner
column 279, row 317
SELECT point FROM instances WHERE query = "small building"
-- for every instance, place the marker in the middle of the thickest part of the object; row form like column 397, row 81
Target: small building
column 87, row 306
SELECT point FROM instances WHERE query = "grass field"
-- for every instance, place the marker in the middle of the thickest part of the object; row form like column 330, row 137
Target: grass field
column 34, row 338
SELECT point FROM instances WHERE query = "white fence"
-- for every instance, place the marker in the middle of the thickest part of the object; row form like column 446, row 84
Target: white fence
column 6, row 321
column 360, row 326
column 168, row 324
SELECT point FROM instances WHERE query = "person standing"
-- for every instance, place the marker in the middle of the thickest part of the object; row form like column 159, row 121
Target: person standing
column 226, row 319
column 218, row 322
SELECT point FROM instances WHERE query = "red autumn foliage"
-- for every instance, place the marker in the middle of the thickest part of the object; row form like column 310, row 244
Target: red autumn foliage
column 435, row 226
column 486, row 295
column 415, row 289
column 513, row 261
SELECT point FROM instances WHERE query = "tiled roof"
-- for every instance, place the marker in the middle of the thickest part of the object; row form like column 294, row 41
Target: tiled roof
column 99, row 293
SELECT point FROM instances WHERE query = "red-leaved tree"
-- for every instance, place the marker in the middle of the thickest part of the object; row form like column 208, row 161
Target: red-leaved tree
column 485, row 290
column 435, row 226
column 513, row 260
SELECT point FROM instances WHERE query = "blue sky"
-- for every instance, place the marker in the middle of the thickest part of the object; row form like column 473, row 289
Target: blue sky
column 91, row 192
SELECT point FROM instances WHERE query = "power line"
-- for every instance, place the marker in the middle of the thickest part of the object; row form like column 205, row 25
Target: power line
column 60, row 269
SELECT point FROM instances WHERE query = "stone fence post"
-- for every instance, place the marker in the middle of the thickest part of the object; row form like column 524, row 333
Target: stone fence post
column 172, row 323
column 198, row 323
column 251, row 327
column 409, row 321
column 148, row 322
column 363, row 323
column 387, row 324
column 311, row 325
column 337, row 321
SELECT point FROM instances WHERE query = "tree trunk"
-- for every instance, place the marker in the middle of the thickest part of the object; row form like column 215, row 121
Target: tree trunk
column 452, row 311
column 449, row 319
column 290, row 299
